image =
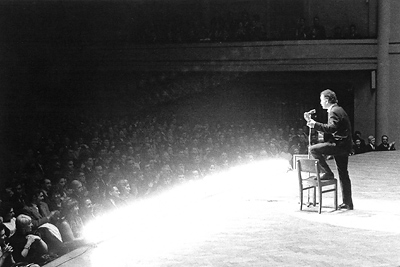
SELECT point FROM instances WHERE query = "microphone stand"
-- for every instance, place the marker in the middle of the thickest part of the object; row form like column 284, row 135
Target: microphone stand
column 309, row 142
column 309, row 157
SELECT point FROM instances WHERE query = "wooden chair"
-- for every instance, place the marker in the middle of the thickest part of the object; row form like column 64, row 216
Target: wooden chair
column 309, row 178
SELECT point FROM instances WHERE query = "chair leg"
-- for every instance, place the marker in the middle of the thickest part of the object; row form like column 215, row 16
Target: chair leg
column 320, row 200
column 336, row 196
column 301, row 198
column 315, row 196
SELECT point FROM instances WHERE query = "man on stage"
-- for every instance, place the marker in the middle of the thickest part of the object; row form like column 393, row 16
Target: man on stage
column 337, row 143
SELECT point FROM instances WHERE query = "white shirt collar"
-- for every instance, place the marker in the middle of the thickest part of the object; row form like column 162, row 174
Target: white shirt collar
column 330, row 108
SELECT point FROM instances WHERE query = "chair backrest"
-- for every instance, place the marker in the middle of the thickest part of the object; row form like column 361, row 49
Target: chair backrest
column 296, row 157
column 308, row 165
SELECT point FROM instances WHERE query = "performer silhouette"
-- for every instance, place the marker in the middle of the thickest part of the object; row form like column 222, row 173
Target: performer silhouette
column 337, row 143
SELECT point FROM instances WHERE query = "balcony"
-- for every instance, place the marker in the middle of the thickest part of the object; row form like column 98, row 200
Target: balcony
column 302, row 55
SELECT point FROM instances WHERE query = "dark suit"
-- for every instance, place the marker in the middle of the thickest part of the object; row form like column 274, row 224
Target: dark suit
column 39, row 215
column 338, row 144
column 370, row 147
column 385, row 147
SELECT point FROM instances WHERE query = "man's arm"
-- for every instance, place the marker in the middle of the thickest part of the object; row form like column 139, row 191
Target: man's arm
column 331, row 126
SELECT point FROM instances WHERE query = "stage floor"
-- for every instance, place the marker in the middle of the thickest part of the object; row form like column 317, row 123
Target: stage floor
column 266, row 227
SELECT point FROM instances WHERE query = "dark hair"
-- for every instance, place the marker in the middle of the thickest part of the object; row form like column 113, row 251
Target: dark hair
column 6, row 230
column 5, row 208
column 68, row 204
column 34, row 192
column 330, row 95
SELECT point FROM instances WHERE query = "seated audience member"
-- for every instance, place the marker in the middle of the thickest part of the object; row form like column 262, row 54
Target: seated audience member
column 46, row 188
column 6, row 257
column 86, row 210
column 358, row 148
column 27, row 247
column 61, row 183
column 113, row 199
column 96, row 194
column 371, row 144
column 80, row 176
column 57, row 195
column 301, row 29
column 385, row 145
column 19, row 196
column 45, row 222
column 125, row 190
column 78, row 191
column 8, row 215
column 357, row 135
column 7, row 193
column 70, row 213
column 317, row 30
column 38, row 210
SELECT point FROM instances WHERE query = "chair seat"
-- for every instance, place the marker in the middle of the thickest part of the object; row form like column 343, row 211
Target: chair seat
column 312, row 180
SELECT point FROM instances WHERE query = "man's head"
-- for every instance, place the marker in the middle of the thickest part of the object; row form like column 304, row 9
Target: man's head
column 371, row 139
column 36, row 196
column 3, row 234
column 47, row 184
column 89, row 162
column 80, row 176
column 385, row 139
column 86, row 205
column 70, row 165
column 77, row 187
column 328, row 98
column 113, row 191
column 124, row 186
column 98, row 170
column 70, row 206
column 6, row 211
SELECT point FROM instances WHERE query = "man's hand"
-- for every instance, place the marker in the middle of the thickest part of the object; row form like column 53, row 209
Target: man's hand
column 307, row 116
column 54, row 215
column 311, row 123
column 7, row 250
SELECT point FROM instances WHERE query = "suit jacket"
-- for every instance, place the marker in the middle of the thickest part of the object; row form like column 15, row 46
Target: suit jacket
column 369, row 148
column 338, row 127
column 385, row 147
column 38, row 217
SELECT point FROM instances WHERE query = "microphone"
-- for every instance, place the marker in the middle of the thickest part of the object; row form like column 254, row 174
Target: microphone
column 313, row 111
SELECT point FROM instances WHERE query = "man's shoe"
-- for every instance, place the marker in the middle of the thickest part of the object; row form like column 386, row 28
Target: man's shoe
column 346, row 207
column 327, row 176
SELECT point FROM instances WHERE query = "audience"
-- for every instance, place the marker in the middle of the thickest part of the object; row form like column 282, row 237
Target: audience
column 301, row 30
column 239, row 27
column 109, row 161
column 27, row 246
